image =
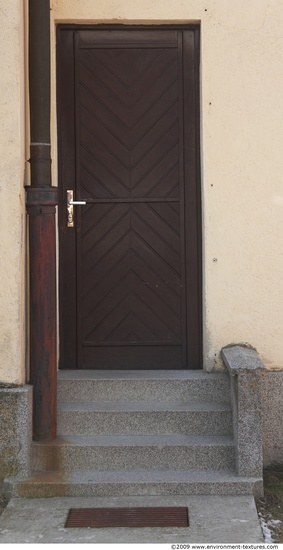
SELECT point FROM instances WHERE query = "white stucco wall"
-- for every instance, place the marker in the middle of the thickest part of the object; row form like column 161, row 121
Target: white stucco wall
column 242, row 165
column 12, row 238
column 242, row 161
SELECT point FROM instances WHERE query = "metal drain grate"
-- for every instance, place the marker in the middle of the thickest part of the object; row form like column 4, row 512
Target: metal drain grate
column 128, row 517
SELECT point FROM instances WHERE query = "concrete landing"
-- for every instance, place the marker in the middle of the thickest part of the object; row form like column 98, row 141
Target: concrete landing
column 213, row 519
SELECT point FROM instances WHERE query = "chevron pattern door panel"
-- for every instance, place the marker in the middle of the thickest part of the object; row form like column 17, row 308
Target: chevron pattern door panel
column 128, row 247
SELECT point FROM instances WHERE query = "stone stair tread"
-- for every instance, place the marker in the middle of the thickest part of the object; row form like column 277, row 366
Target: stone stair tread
column 132, row 476
column 137, row 440
column 136, row 482
column 138, row 375
column 141, row 406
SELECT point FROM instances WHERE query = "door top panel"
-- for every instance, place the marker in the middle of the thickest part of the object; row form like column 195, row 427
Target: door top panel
column 127, row 38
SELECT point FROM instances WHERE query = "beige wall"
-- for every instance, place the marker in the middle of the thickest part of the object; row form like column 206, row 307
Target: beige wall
column 11, row 193
column 242, row 165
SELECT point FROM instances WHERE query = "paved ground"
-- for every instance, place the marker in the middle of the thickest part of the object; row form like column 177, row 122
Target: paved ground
column 213, row 519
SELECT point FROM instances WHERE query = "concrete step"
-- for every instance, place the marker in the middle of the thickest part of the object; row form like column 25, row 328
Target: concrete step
column 147, row 452
column 144, row 417
column 123, row 432
column 138, row 482
column 182, row 385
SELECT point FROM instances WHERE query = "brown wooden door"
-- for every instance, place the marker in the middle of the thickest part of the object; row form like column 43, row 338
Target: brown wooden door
column 128, row 145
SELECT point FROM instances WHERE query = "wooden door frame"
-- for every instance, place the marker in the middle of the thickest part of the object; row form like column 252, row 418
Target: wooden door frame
column 192, row 203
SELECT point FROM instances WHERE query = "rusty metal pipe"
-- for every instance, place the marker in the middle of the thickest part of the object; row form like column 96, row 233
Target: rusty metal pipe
column 41, row 202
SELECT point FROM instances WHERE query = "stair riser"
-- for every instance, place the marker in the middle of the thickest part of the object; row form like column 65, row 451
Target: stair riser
column 44, row 490
column 187, row 422
column 215, row 389
column 72, row 458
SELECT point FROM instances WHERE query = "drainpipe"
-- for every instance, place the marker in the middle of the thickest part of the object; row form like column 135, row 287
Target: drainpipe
column 41, row 201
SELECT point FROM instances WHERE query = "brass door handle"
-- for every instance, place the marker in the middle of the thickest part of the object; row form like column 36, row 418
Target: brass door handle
column 70, row 207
